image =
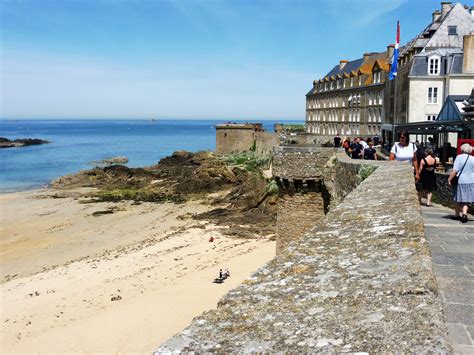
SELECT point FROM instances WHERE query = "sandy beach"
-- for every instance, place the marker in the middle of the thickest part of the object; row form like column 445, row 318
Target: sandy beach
column 110, row 277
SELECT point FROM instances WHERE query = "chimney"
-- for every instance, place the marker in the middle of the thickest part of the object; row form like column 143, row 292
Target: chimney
column 445, row 7
column 390, row 49
column 436, row 16
column 468, row 49
column 367, row 56
column 342, row 63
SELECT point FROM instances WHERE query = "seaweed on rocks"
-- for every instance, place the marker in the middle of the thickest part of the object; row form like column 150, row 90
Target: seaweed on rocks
column 245, row 202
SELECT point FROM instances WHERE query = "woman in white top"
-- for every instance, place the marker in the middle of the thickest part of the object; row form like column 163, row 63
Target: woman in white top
column 403, row 150
column 463, row 193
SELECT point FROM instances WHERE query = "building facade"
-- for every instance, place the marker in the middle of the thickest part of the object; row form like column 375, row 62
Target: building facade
column 349, row 100
column 435, row 64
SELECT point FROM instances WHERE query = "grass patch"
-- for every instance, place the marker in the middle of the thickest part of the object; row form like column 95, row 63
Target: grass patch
column 250, row 161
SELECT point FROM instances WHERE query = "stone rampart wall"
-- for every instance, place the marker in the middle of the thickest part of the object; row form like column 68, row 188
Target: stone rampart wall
column 304, row 199
column 232, row 140
column 297, row 214
column 360, row 281
column 235, row 140
column 300, row 163
column 265, row 141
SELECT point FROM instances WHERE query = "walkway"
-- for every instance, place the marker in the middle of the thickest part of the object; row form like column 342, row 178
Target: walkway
column 452, row 248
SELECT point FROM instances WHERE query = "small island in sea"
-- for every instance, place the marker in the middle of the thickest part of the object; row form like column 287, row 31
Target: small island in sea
column 7, row 143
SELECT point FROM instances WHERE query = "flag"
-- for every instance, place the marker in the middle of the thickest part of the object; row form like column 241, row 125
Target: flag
column 394, row 66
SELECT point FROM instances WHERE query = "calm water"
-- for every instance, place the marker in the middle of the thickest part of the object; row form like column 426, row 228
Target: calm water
column 75, row 143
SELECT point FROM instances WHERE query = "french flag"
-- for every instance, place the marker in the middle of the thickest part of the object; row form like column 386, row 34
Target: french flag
column 394, row 66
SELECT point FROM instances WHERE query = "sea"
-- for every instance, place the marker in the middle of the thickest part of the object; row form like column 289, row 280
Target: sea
column 75, row 143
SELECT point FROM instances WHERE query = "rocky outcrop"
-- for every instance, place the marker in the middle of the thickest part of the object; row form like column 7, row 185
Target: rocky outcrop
column 360, row 281
column 243, row 205
column 111, row 161
column 7, row 143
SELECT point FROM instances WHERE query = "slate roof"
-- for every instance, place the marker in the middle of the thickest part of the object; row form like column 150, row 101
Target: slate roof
column 350, row 66
column 451, row 108
column 452, row 56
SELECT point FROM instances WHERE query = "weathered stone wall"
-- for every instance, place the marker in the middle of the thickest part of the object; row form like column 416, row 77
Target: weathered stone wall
column 234, row 139
column 444, row 192
column 231, row 140
column 265, row 141
column 304, row 199
column 360, row 281
column 300, row 163
column 297, row 214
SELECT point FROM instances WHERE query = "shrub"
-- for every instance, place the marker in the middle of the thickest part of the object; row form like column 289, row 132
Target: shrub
column 364, row 172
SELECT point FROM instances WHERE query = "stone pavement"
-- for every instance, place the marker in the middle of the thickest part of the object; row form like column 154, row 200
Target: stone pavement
column 452, row 247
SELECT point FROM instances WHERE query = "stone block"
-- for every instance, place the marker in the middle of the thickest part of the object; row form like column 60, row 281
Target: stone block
column 456, row 313
column 458, row 334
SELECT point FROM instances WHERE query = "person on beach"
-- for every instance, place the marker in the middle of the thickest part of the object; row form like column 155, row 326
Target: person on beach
column 427, row 176
column 463, row 191
column 403, row 150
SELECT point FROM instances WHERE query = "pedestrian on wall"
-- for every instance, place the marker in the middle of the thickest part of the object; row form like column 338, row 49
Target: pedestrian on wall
column 403, row 150
column 337, row 141
column 427, row 177
column 370, row 153
column 463, row 190
column 346, row 144
column 355, row 149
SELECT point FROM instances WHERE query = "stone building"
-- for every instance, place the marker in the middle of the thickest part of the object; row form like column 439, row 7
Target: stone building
column 349, row 99
column 434, row 65
column 241, row 137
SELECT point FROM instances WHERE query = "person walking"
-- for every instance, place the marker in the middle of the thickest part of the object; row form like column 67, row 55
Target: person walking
column 403, row 150
column 370, row 153
column 463, row 190
column 346, row 144
column 355, row 149
column 427, row 177
column 337, row 141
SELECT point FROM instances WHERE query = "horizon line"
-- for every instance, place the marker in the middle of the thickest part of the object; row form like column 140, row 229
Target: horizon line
column 149, row 119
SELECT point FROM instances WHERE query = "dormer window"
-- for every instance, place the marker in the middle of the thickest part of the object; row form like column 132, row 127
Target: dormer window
column 452, row 30
column 377, row 77
column 360, row 80
column 433, row 66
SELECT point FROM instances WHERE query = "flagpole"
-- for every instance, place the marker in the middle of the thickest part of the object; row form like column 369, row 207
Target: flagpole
column 394, row 108
column 393, row 76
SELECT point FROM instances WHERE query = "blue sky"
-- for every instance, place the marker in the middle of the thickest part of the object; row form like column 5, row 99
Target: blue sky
column 185, row 59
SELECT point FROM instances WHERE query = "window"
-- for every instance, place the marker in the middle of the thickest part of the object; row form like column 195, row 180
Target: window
column 433, row 66
column 376, row 77
column 352, row 81
column 432, row 95
column 431, row 117
column 360, row 80
column 452, row 30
